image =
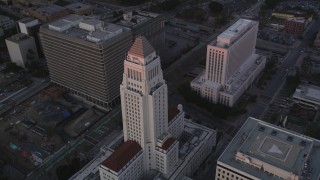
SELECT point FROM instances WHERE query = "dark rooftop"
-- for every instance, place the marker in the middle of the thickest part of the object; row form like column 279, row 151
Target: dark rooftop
column 172, row 112
column 119, row 158
column 167, row 143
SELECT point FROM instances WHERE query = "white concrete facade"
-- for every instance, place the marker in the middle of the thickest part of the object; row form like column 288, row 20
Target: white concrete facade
column 18, row 47
column 231, row 64
column 25, row 24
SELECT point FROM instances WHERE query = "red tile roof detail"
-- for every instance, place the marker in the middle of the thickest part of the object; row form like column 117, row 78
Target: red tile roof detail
column 172, row 113
column 120, row 157
column 167, row 143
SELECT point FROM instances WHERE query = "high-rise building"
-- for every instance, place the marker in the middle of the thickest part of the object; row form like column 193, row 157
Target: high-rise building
column 151, row 140
column 231, row 64
column 21, row 47
column 85, row 56
column 264, row 151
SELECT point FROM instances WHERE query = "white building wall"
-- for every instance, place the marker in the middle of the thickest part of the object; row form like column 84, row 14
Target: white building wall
column 18, row 50
column 176, row 125
column 241, row 50
column 166, row 160
column 24, row 26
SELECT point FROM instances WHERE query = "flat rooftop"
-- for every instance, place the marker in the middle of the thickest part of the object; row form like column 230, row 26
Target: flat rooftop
column 28, row 20
column 50, row 9
column 237, row 79
column 309, row 92
column 259, row 146
column 235, row 31
column 78, row 6
column 133, row 18
column 85, row 28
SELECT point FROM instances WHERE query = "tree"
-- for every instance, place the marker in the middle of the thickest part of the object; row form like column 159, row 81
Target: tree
column 215, row 7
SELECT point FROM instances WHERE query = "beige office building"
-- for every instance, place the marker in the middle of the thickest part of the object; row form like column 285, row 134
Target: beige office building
column 265, row 151
column 85, row 56
column 231, row 64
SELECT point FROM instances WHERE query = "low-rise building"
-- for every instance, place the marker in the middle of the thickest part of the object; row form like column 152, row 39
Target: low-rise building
column 48, row 13
column 149, row 25
column 6, row 23
column 295, row 26
column 22, row 48
column 265, row 151
column 307, row 96
column 80, row 9
column 292, row 14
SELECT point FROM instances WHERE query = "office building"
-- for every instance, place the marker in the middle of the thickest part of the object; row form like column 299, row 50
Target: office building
column 151, row 147
column 80, row 9
column 85, row 56
column 231, row 64
column 307, row 96
column 265, row 151
column 6, row 23
column 48, row 13
column 21, row 47
column 149, row 25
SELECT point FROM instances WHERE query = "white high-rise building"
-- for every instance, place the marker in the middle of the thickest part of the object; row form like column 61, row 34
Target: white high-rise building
column 151, row 129
column 231, row 64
